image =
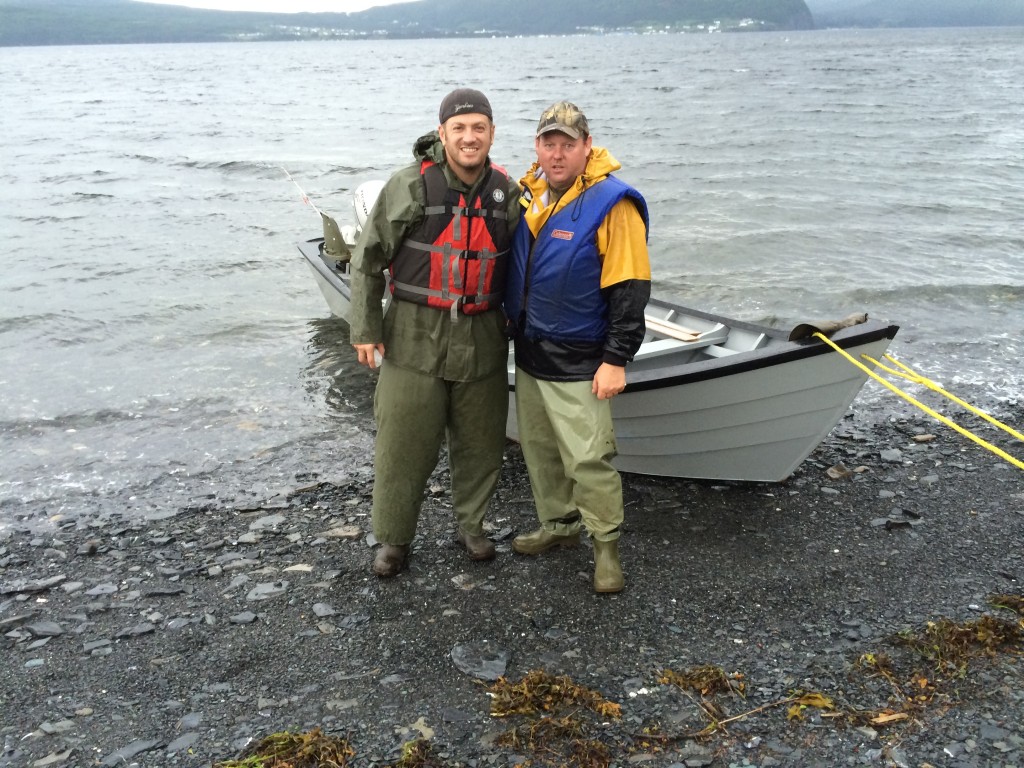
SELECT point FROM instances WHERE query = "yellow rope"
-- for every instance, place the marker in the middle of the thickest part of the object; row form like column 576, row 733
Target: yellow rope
column 914, row 377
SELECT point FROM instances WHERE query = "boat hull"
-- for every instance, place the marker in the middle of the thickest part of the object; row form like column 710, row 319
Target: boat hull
column 750, row 407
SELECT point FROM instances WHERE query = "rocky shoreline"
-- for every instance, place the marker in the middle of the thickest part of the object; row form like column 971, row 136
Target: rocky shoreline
column 180, row 639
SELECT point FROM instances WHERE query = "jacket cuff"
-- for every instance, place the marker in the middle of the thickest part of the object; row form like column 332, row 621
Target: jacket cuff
column 613, row 358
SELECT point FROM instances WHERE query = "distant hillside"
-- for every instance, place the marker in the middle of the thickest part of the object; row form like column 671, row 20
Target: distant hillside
column 72, row 22
column 531, row 17
column 917, row 13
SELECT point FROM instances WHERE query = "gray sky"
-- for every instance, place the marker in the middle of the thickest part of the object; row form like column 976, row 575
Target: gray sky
column 281, row 6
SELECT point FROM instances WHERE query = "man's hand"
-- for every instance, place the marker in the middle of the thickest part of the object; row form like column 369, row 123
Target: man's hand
column 366, row 354
column 609, row 381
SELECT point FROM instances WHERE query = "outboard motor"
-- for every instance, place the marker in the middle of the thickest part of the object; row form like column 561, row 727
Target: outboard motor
column 339, row 240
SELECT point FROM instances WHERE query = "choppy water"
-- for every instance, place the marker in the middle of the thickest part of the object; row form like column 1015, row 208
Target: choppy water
column 160, row 335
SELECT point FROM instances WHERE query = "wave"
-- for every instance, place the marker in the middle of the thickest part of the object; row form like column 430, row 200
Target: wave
column 24, row 322
column 968, row 297
column 49, row 219
column 91, row 196
column 67, row 422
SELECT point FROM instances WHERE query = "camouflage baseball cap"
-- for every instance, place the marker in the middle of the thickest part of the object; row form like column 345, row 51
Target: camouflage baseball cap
column 566, row 117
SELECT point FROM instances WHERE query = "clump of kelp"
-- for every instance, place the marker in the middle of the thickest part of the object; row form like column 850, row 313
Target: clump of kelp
column 571, row 723
column 950, row 646
column 542, row 692
column 568, row 725
column 419, row 754
column 313, row 749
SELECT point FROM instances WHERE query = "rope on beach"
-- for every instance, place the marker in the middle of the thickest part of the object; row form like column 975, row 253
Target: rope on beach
column 916, row 378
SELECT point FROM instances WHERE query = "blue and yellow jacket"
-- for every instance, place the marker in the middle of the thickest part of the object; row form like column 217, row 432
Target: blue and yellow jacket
column 579, row 277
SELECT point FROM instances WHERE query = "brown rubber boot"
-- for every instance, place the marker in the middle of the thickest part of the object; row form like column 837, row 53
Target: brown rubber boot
column 538, row 541
column 478, row 547
column 390, row 560
column 607, row 569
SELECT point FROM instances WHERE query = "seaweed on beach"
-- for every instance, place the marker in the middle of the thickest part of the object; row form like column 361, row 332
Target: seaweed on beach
column 540, row 691
column 565, row 728
column 951, row 645
column 418, row 754
column 708, row 681
column 313, row 749
column 705, row 680
column 1013, row 603
column 559, row 741
column 948, row 647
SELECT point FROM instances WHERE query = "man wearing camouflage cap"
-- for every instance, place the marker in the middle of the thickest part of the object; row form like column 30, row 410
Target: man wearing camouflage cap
column 441, row 228
column 578, row 284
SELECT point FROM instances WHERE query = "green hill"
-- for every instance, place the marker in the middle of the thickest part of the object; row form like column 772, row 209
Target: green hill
column 531, row 17
column 73, row 22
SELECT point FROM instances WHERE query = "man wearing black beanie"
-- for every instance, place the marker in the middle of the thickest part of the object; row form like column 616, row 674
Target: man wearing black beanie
column 441, row 228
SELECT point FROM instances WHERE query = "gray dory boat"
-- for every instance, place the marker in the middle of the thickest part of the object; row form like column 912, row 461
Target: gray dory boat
column 706, row 397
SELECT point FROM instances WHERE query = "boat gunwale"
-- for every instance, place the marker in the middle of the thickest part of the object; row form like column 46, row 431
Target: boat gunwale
column 756, row 359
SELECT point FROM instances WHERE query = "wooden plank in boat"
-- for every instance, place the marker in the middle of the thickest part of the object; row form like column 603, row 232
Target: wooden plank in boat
column 679, row 342
column 668, row 328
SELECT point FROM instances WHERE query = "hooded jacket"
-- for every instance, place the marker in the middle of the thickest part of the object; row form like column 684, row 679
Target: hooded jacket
column 579, row 277
column 416, row 336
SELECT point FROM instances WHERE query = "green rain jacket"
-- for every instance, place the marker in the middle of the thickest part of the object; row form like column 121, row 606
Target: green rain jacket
column 415, row 336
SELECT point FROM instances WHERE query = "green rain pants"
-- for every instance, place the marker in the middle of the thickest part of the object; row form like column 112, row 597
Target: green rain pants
column 568, row 442
column 413, row 412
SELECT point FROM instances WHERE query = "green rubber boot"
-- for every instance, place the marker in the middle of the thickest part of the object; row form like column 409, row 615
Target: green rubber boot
column 607, row 569
column 538, row 541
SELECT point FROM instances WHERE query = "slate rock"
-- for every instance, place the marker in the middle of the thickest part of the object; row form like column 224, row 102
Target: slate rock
column 182, row 743
column 124, row 754
column 268, row 590
column 61, row 726
column 269, row 521
column 167, row 591
column 24, row 587
column 54, row 758
column 353, row 621
column 45, row 629
column 139, row 629
column 102, row 589
column 481, row 660
column 322, row 610
column 15, row 621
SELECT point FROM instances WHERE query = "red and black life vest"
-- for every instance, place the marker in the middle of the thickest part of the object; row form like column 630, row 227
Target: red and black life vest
column 456, row 259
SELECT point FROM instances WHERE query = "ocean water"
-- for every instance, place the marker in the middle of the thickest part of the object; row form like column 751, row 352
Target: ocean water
column 162, row 342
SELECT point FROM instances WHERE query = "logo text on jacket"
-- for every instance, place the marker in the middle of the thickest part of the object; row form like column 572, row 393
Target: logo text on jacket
column 562, row 234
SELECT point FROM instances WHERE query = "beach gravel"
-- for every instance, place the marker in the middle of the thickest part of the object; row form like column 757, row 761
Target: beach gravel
column 181, row 636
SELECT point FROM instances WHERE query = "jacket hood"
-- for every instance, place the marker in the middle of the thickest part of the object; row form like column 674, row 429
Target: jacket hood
column 599, row 165
column 429, row 147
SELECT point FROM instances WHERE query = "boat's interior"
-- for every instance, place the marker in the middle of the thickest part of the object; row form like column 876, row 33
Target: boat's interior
column 688, row 338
